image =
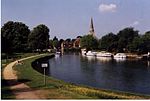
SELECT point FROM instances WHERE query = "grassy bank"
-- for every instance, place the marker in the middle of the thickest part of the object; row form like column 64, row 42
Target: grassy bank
column 57, row 89
column 6, row 92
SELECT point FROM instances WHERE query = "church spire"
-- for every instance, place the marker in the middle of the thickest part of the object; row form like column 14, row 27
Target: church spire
column 91, row 32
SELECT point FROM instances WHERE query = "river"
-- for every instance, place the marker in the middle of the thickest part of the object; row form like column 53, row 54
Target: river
column 123, row 75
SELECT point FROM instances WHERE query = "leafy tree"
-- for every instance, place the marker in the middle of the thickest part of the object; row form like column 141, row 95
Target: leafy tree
column 68, row 40
column 79, row 36
column 39, row 38
column 136, row 44
column 55, row 38
column 51, row 43
column 55, row 42
column 126, row 37
column 14, row 37
column 89, row 42
column 108, row 42
column 146, row 42
column 61, row 40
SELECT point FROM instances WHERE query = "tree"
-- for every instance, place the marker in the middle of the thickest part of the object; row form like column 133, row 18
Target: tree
column 15, row 36
column 55, row 38
column 39, row 38
column 89, row 42
column 68, row 40
column 51, row 43
column 146, row 42
column 108, row 42
column 126, row 37
column 55, row 42
column 136, row 45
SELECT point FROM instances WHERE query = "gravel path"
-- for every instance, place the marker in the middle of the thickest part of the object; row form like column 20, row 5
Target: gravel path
column 21, row 90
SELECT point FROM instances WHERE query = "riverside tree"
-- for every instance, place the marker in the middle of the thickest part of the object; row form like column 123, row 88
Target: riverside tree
column 14, row 37
column 39, row 38
column 89, row 42
column 126, row 37
column 108, row 42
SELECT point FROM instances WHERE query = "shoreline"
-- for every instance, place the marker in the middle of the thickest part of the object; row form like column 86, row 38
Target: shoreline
column 58, row 89
column 86, row 86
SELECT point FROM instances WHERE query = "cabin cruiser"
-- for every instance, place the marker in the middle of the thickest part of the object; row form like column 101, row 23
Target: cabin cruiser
column 146, row 56
column 120, row 55
column 58, row 52
column 104, row 54
column 90, row 53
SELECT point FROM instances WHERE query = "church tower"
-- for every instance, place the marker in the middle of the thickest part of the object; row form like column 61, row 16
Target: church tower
column 92, row 32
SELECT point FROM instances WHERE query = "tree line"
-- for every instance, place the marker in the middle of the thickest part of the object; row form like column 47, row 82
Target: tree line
column 126, row 40
column 17, row 37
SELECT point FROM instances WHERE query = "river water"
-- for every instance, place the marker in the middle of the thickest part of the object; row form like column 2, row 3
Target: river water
column 123, row 75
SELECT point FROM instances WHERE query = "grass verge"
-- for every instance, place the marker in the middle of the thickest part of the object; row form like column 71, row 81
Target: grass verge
column 57, row 89
column 6, row 92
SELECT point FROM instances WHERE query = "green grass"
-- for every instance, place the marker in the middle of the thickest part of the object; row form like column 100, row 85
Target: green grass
column 6, row 92
column 57, row 89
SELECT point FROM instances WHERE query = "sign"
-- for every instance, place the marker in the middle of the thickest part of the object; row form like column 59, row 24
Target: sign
column 44, row 65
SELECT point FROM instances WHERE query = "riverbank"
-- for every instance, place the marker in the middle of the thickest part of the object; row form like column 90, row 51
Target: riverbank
column 6, row 92
column 57, row 89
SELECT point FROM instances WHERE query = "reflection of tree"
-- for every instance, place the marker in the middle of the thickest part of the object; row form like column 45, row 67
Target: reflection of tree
column 37, row 66
column 88, row 70
column 87, row 65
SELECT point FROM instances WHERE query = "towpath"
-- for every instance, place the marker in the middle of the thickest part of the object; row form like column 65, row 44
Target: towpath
column 20, row 89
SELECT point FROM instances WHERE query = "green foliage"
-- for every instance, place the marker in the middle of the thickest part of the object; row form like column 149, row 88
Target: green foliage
column 56, row 88
column 126, row 37
column 145, row 47
column 135, row 46
column 108, row 42
column 39, row 38
column 89, row 42
column 56, row 43
column 14, row 37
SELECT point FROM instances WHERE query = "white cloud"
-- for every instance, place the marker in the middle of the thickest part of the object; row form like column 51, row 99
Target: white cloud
column 135, row 23
column 107, row 7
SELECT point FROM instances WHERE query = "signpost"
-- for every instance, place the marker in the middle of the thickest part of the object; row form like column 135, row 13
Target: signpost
column 44, row 65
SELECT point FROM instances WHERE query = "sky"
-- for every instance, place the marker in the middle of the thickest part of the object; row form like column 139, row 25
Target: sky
column 71, row 18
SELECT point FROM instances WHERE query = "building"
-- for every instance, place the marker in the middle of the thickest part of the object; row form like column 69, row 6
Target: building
column 91, row 31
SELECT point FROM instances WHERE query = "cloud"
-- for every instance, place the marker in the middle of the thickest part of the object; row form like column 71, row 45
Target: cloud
column 107, row 7
column 135, row 23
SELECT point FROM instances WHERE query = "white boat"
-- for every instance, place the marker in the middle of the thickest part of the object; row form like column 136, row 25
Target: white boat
column 120, row 55
column 58, row 52
column 83, row 51
column 90, row 53
column 104, row 54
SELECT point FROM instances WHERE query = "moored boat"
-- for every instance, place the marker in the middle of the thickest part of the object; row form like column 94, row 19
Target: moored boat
column 90, row 53
column 104, row 54
column 120, row 55
column 83, row 51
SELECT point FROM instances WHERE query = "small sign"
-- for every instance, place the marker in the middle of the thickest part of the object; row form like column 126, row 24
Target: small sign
column 44, row 65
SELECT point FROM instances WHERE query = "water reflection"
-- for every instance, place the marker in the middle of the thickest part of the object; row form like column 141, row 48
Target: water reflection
column 104, row 59
column 57, row 56
column 102, row 72
column 90, row 58
column 148, row 63
column 120, row 59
